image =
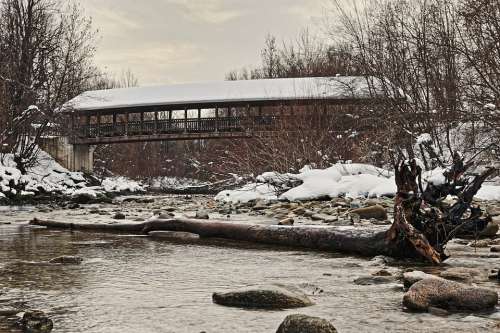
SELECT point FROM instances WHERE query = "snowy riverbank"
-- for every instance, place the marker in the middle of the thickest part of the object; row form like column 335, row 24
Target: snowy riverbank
column 47, row 177
column 349, row 180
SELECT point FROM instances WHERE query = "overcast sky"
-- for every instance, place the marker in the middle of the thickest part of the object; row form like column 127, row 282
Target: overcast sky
column 175, row 41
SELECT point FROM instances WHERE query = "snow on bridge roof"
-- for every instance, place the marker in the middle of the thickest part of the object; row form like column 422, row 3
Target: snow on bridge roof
column 340, row 88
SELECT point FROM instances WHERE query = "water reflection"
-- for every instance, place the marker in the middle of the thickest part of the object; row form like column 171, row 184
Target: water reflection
column 136, row 284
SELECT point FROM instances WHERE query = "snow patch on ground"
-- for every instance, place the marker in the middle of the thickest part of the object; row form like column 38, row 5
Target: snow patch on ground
column 350, row 180
column 48, row 176
column 489, row 192
column 248, row 193
column 121, row 184
column 174, row 183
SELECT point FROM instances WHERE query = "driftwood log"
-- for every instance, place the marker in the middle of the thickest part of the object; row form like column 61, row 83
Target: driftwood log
column 423, row 221
column 364, row 242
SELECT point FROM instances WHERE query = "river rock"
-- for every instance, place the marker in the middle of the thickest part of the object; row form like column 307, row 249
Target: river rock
column 355, row 204
column 410, row 278
column 324, row 218
column 493, row 211
column 373, row 280
column 491, row 230
column 448, row 295
column 299, row 210
column 66, row 260
column 494, row 274
column 260, row 205
column 82, row 198
column 202, row 215
column 462, row 274
column 119, row 216
column 9, row 312
column 266, row 297
column 298, row 323
column 36, row 322
column 287, row 221
column 174, row 235
column 382, row 272
column 73, row 206
column 373, row 212
column 165, row 216
column 480, row 243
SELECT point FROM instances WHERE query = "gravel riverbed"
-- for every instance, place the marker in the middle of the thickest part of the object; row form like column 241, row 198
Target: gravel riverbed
column 130, row 283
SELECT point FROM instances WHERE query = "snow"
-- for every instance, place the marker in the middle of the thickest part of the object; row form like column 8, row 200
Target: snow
column 337, row 88
column 349, row 180
column 424, row 138
column 48, row 176
column 490, row 106
column 489, row 192
column 121, row 184
column 435, row 177
column 86, row 191
column 248, row 193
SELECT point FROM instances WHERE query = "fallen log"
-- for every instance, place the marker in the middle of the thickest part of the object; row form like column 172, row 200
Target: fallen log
column 350, row 240
column 423, row 222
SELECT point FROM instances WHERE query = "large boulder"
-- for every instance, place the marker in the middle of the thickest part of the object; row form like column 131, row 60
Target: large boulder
column 373, row 212
column 449, row 295
column 266, row 297
column 36, row 322
column 298, row 323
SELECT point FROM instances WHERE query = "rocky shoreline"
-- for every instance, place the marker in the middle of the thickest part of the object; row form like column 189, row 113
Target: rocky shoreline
column 464, row 285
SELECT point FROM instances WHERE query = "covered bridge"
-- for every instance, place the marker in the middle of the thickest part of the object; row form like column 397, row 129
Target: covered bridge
column 210, row 110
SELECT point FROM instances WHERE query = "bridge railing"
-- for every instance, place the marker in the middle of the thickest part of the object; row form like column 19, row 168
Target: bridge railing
column 164, row 126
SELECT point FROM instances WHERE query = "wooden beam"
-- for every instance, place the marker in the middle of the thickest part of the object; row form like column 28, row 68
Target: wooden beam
column 265, row 103
column 199, row 127
column 162, row 137
column 156, row 123
column 126, row 123
column 142, row 122
column 216, row 119
column 185, row 120
column 98, row 124
column 170, row 120
column 114, row 124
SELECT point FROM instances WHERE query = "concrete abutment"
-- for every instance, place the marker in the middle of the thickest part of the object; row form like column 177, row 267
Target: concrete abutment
column 72, row 157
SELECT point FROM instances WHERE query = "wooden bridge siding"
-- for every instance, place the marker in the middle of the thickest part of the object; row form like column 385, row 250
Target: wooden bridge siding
column 240, row 120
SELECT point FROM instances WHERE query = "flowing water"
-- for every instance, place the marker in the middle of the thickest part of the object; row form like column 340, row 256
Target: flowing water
column 135, row 284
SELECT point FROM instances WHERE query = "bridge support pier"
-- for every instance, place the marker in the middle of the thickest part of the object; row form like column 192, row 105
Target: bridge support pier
column 72, row 157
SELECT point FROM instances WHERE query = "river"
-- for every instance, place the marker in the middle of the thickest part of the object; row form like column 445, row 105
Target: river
column 130, row 284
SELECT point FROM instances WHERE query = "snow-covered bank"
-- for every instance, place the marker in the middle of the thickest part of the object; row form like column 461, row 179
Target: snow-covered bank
column 168, row 184
column 350, row 180
column 49, row 177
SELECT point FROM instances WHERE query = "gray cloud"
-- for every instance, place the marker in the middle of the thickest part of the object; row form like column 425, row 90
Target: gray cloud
column 171, row 41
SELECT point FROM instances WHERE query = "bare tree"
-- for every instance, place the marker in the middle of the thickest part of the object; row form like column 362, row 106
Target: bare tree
column 46, row 50
column 479, row 44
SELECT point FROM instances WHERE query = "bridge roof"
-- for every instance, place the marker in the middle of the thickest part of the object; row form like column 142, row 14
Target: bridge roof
column 210, row 94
